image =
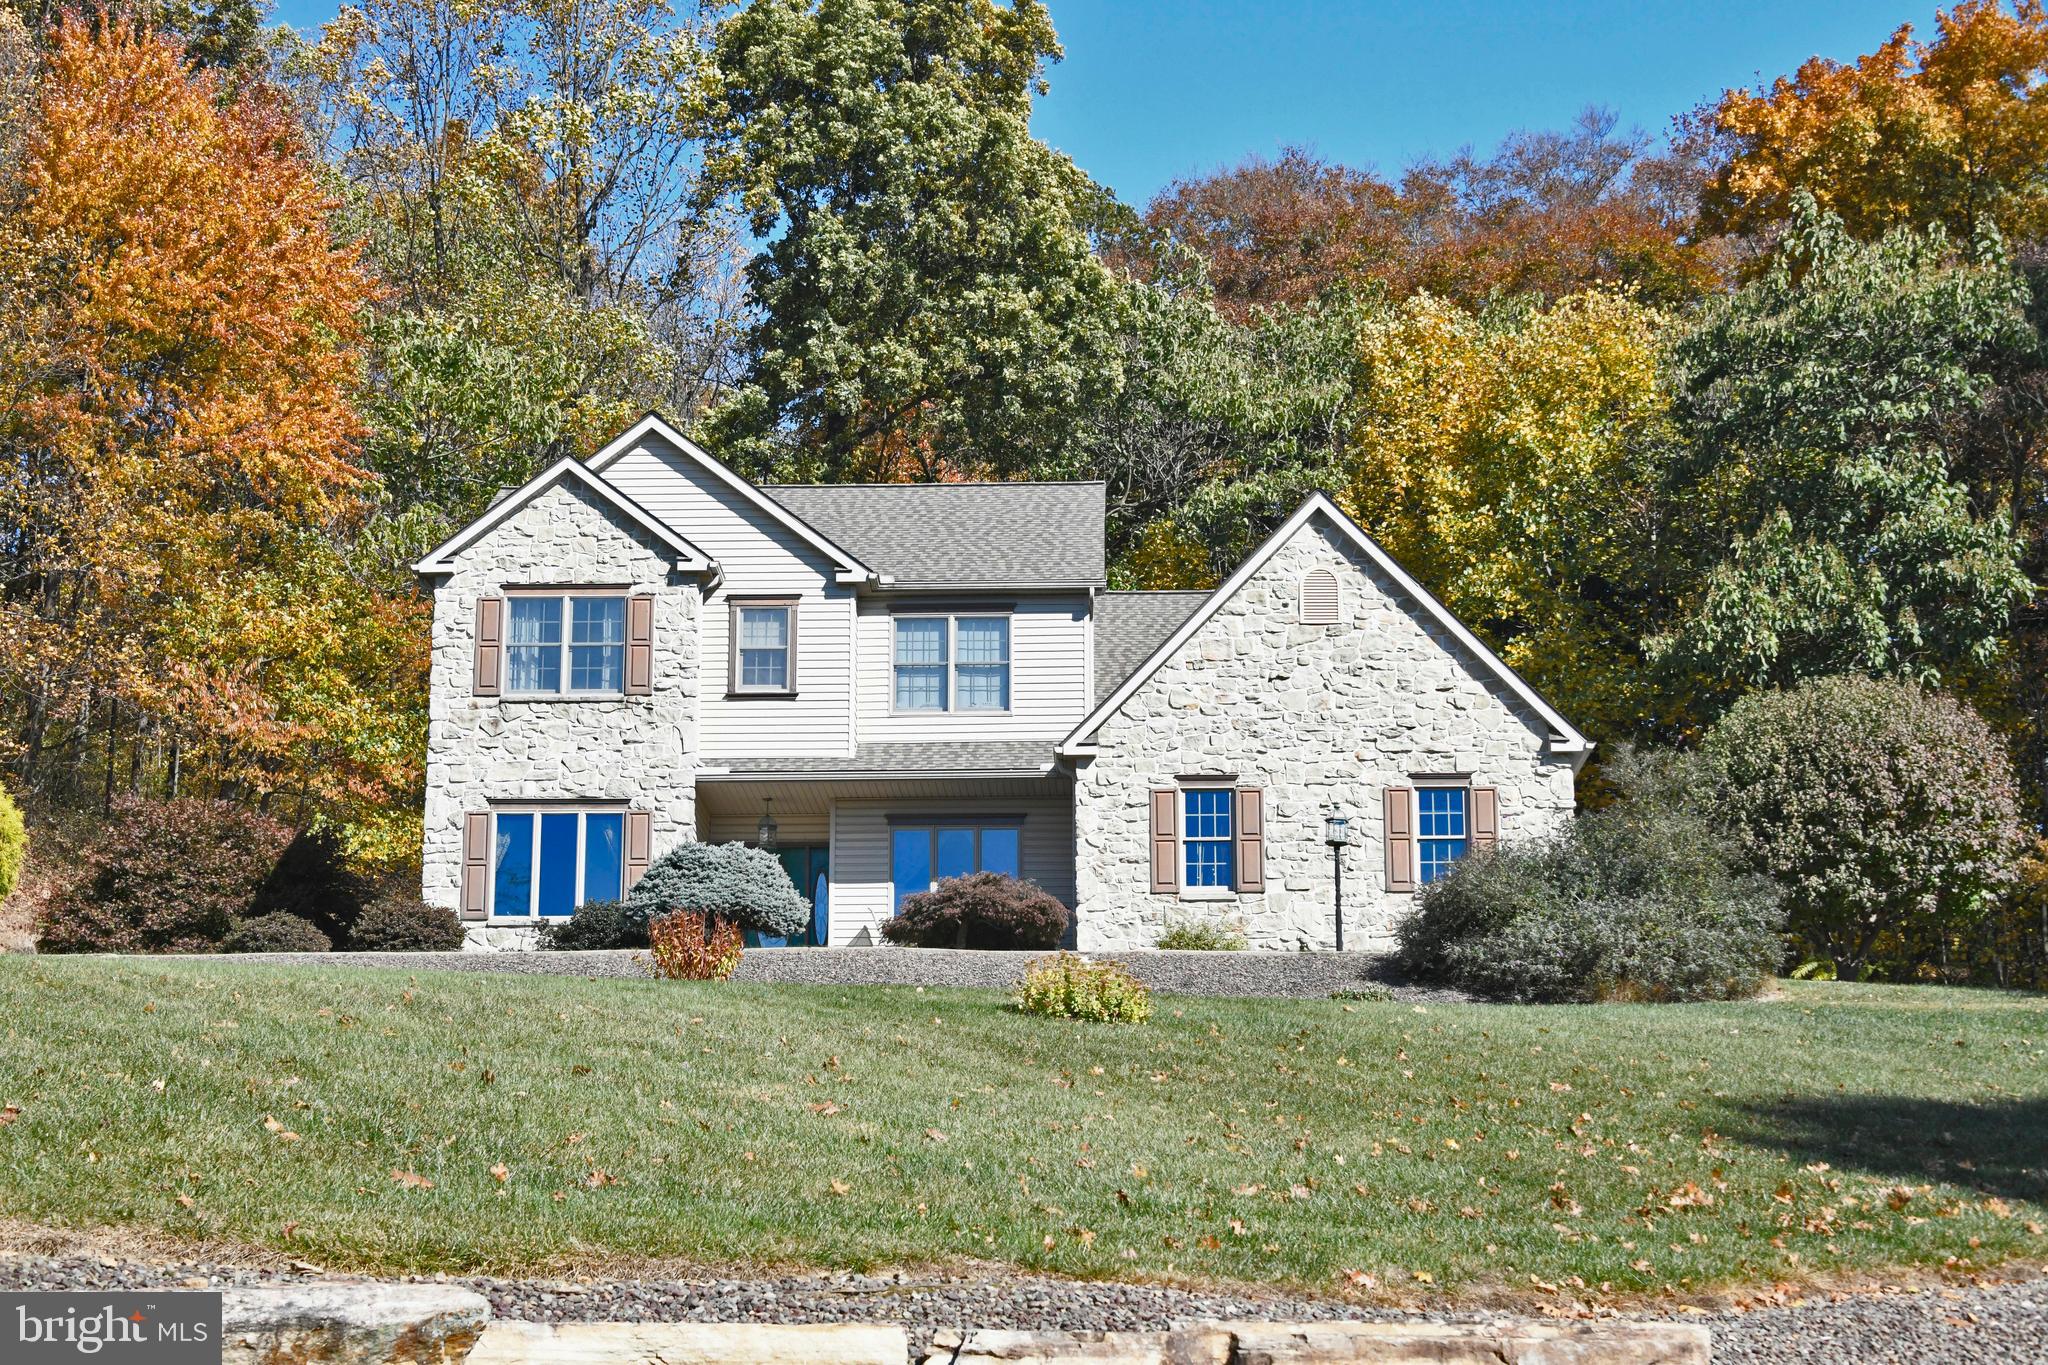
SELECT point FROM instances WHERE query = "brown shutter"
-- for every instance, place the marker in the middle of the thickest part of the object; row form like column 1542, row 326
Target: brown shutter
column 639, row 645
column 476, row 863
column 1249, row 822
column 1165, row 847
column 1400, row 838
column 490, row 646
column 639, row 845
column 1485, row 817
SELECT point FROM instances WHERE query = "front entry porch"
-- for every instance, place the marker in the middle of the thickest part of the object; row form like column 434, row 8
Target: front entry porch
column 868, row 842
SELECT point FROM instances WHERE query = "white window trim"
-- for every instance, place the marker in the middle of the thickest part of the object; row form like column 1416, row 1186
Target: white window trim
column 736, row 688
column 1457, row 784
column 538, row 809
column 565, row 596
column 952, row 664
column 1188, row 891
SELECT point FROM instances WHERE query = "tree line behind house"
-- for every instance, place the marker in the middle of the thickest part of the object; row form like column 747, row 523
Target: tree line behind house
column 1672, row 420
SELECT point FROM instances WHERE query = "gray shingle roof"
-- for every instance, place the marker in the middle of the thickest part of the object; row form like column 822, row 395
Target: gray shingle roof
column 914, row 757
column 1129, row 626
column 964, row 535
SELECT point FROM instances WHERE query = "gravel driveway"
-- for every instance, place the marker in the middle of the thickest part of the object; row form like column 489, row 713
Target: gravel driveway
column 1985, row 1324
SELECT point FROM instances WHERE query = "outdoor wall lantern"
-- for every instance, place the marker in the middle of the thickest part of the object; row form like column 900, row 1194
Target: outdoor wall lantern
column 765, row 832
column 1337, row 834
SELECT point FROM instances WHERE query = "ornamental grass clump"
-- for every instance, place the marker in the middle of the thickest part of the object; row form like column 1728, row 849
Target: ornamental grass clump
column 725, row 882
column 1067, row 986
column 1638, row 901
column 691, row 947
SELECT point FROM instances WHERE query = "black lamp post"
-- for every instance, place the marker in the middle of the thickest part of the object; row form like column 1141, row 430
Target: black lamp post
column 1337, row 833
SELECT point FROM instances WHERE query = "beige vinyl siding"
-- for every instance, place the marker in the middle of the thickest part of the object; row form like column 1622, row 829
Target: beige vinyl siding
column 862, row 893
column 1049, row 674
column 760, row 559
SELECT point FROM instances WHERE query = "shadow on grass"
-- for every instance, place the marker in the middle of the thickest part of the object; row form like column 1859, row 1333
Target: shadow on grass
column 1999, row 1148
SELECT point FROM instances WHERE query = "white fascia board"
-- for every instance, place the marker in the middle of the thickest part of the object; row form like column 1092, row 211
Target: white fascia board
column 850, row 570
column 687, row 557
column 1563, row 739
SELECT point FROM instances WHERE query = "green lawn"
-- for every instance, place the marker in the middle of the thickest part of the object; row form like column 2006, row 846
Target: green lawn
column 376, row 1120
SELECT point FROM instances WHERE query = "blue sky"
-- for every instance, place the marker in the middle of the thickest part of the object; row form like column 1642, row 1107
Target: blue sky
column 1155, row 89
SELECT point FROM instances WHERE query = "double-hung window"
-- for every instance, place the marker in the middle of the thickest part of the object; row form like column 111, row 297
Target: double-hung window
column 922, row 856
column 1207, row 849
column 566, row 643
column 547, row 862
column 952, row 663
column 1442, row 817
column 763, row 647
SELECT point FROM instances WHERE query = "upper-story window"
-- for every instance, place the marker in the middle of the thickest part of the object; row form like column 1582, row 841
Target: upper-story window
column 558, row 643
column 952, row 663
column 764, row 647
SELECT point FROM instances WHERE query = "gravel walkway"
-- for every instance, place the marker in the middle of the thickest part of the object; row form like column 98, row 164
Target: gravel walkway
column 1295, row 975
column 1989, row 1324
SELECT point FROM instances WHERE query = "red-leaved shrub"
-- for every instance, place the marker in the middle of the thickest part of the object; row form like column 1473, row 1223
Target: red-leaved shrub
column 164, row 877
column 985, row 910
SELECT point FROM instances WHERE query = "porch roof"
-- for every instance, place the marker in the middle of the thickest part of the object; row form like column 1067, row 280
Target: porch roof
column 903, row 760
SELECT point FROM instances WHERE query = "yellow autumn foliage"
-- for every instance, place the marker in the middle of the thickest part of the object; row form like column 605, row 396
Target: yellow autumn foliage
column 1503, row 458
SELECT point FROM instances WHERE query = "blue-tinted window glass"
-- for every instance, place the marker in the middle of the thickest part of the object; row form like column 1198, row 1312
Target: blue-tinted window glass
column 921, row 664
column 597, row 644
column 1440, row 829
column 1211, row 857
column 604, row 838
column 533, row 644
column 910, row 862
column 558, row 862
column 982, row 677
column 764, row 648
column 999, row 852
column 956, row 853
column 512, row 866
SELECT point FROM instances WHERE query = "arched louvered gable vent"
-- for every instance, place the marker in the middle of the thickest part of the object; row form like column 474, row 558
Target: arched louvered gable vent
column 1320, row 601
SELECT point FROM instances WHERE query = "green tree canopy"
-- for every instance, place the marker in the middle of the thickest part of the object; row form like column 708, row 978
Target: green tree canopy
column 928, row 297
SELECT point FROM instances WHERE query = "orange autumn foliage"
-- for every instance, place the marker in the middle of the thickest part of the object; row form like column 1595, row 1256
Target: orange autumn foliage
column 179, row 358
column 1953, row 131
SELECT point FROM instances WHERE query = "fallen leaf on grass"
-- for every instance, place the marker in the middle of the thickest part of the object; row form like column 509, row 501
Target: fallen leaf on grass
column 840, row 1187
column 501, row 1173
column 597, row 1180
column 827, row 1108
column 9, row 1114
column 934, row 1135
column 410, row 1180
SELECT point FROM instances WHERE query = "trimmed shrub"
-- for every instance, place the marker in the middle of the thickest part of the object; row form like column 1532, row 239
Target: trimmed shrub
column 314, row 881
column 1204, row 936
column 13, row 843
column 691, row 947
column 746, row 886
column 1070, row 987
column 401, row 923
column 1887, row 814
column 595, row 925
column 164, row 877
column 276, row 932
column 1637, row 901
column 984, row 910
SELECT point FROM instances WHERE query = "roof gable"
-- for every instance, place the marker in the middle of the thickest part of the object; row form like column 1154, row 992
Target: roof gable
column 687, row 557
column 849, row 569
column 1564, row 737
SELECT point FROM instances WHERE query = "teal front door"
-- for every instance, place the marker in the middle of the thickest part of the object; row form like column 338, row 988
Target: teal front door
column 806, row 866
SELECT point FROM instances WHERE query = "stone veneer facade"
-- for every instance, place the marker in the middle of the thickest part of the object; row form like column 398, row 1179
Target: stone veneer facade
column 1321, row 718
column 640, row 751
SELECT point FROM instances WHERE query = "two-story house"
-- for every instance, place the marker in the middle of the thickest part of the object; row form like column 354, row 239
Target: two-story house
column 906, row 682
